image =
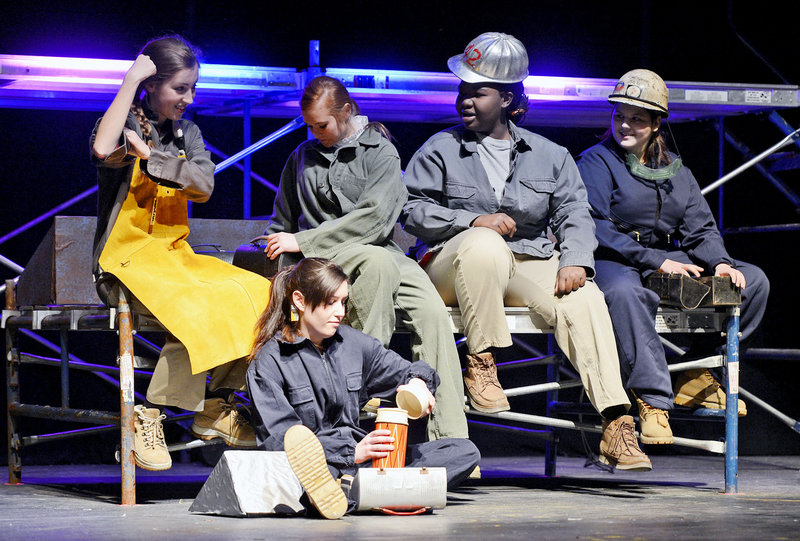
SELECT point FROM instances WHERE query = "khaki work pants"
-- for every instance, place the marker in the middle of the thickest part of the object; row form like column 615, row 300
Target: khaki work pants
column 173, row 383
column 476, row 271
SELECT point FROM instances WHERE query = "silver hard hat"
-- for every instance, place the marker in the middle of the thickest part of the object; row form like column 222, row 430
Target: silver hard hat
column 642, row 88
column 492, row 57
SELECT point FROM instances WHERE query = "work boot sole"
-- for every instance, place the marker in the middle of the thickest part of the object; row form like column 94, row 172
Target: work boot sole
column 489, row 409
column 691, row 402
column 151, row 466
column 484, row 408
column 211, row 433
column 307, row 459
column 637, row 466
column 649, row 440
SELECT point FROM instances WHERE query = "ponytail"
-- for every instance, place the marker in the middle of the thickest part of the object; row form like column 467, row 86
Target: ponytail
column 138, row 112
column 277, row 316
column 316, row 278
column 656, row 154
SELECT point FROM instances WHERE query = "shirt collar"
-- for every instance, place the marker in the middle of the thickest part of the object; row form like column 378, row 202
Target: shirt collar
column 299, row 340
column 359, row 124
column 370, row 137
column 469, row 139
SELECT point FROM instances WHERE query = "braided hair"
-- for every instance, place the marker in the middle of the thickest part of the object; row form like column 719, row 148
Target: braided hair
column 170, row 54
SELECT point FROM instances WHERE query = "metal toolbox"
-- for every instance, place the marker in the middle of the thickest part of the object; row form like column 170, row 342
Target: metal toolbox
column 689, row 293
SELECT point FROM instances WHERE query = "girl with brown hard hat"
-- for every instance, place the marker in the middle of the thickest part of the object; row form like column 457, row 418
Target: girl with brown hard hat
column 650, row 216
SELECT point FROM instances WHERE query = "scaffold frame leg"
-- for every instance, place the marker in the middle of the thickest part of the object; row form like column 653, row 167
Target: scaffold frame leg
column 551, row 445
column 12, row 397
column 732, row 404
column 127, row 461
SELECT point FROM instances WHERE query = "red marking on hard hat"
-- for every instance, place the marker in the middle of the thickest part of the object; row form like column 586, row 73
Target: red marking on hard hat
column 471, row 59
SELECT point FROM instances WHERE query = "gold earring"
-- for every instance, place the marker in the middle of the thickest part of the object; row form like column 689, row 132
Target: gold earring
column 293, row 314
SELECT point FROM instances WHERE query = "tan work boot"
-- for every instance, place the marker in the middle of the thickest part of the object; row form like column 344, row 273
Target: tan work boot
column 698, row 389
column 307, row 459
column 653, row 424
column 219, row 419
column 149, row 448
column 619, row 448
column 484, row 391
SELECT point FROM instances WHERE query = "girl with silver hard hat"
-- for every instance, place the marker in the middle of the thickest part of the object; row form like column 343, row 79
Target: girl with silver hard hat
column 651, row 217
column 481, row 198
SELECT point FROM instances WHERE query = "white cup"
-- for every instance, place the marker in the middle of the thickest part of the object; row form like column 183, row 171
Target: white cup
column 414, row 400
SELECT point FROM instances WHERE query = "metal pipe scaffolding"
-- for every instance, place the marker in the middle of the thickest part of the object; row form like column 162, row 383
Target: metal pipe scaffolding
column 288, row 128
column 789, row 139
column 52, row 212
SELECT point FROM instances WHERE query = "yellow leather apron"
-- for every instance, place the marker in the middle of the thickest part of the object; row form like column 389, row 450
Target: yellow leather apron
column 209, row 305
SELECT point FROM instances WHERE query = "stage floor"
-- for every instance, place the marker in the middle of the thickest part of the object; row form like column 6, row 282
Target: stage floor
column 679, row 499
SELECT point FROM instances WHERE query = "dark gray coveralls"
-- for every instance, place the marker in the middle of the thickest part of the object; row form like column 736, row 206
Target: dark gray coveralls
column 639, row 223
column 295, row 383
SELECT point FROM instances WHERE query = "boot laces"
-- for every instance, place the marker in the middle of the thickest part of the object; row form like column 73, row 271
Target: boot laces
column 486, row 372
column 646, row 410
column 231, row 409
column 628, row 439
column 152, row 430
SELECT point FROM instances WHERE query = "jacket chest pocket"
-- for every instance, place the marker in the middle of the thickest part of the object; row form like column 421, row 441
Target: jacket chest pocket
column 302, row 401
column 354, row 383
column 461, row 196
column 535, row 194
column 348, row 184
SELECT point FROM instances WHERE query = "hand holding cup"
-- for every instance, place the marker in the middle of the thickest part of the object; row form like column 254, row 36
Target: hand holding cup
column 376, row 444
column 415, row 398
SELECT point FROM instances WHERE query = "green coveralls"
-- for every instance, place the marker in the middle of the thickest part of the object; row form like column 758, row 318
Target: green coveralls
column 342, row 204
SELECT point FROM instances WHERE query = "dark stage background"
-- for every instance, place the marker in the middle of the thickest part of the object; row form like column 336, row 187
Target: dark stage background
column 44, row 154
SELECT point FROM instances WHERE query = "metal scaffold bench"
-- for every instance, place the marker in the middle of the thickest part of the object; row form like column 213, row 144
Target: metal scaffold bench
column 56, row 293
column 521, row 321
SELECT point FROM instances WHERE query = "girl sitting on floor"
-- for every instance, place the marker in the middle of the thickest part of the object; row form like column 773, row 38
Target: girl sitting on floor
column 308, row 369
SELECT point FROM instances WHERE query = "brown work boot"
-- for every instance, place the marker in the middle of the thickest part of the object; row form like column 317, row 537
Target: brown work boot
column 149, row 448
column 307, row 459
column 484, row 391
column 698, row 389
column 619, row 448
column 219, row 419
column 653, row 424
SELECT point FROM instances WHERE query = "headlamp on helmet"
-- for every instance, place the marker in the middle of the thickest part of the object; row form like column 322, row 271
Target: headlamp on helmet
column 642, row 88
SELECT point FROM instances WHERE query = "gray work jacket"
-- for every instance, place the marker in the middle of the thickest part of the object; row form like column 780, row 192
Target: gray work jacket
column 293, row 382
column 448, row 188
column 334, row 198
